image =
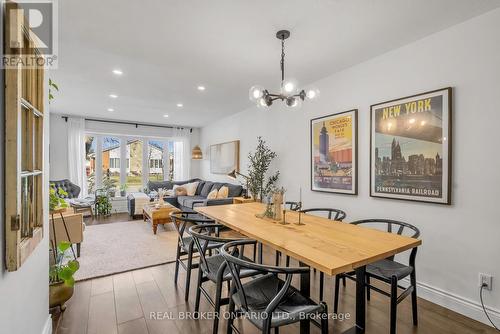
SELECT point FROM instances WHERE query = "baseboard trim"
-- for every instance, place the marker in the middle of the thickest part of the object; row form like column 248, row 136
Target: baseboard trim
column 47, row 328
column 459, row 304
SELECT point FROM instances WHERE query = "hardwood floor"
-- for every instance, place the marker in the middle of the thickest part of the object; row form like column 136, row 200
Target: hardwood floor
column 113, row 218
column 146, row 301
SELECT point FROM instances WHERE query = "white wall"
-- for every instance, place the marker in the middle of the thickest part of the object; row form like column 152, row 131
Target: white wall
column 24, row 294
column 460, row 240
column 58, row 148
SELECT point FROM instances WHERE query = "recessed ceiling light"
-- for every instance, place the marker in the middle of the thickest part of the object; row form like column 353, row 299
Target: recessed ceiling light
column 113, row 96
column 166, row 116
column 111, row 109
column 180, row 105
column 201, row 88
column 117, row 72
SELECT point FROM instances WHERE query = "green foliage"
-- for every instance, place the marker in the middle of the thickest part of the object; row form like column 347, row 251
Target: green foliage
column 108, row 183
column 53, row 87
column 260, row 184
column 63, row 269
column 103, row 204
column 56, row 198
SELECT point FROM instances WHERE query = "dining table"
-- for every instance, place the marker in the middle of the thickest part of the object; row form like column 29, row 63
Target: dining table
column 331, row 247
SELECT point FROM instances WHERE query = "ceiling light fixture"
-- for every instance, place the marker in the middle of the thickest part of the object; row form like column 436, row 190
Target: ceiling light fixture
column 180, row 105
column 117, row 72
column 113, row 96
column 166, row 116
column 201, row 88
column 111, row 109
column 289, row 92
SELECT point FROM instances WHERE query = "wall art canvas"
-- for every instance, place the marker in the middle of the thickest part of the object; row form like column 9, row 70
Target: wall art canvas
column 334, row 153
column 411, row 148
column 225, row 157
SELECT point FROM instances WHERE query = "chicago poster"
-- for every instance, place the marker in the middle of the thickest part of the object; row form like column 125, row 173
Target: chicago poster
column 411, row 148
column 334, row 153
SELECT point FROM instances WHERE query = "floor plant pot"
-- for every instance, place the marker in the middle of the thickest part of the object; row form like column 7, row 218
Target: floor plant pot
column 59, row 294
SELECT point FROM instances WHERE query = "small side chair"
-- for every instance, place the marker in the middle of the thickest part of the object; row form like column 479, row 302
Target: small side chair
column 213, row 268
column 267, row 301
column 389, row 271
column 186, row 245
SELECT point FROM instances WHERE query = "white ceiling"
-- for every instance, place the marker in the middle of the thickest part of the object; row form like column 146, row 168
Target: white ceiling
column 166, row 48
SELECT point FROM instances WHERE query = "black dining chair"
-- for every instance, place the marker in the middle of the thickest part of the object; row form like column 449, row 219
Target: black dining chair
column 267, row 301
column 185, row 243
column 213, row 268
column 388, row 270
column 292, row 206
column 332, row 214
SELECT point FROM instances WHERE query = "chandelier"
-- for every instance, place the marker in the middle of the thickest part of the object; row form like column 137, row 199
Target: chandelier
column 289, row 93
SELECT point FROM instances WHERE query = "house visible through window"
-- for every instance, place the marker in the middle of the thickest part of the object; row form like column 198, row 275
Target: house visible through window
column 146, row 159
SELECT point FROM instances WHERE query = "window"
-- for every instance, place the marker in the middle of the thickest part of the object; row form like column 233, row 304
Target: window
column 156, row 155
column 111, row 163
column 24, row 116
column 90, row 149
column 134, row 171
column 145, row 160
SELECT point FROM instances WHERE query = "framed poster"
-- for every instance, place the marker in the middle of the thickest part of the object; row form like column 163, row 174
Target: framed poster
column 334, row 146
column 225, row 157
column 410, row 150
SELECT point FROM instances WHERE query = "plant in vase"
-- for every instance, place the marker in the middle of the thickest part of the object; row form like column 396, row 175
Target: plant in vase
column 61, row 276
column 56, row 198
column 102, row 202
column 123, row 190
column 260, row 184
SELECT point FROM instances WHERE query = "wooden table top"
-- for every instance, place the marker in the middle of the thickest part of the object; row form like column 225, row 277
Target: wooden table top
column 331, row 247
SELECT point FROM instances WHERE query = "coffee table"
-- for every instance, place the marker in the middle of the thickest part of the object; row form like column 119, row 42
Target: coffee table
column 158, row 215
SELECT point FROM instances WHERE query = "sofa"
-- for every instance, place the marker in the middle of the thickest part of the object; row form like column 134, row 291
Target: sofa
column 187, row 203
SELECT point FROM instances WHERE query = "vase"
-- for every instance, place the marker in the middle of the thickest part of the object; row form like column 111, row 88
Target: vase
column 59, row 294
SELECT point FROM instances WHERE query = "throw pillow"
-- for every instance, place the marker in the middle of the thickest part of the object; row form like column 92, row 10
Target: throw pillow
column 191, row 188
column 207, row 187
column 180, row 191
column 212, row 194
column 223, row 192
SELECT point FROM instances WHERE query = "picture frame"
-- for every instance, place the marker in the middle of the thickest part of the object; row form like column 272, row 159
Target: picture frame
column 411, row 148
column 225, row 157
column 334, row 153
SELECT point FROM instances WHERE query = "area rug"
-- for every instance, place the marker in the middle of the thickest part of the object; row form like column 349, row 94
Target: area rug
column 118, row 247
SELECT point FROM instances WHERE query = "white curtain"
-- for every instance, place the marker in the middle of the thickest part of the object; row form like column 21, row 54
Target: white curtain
column 76, row 153
column 182, row 154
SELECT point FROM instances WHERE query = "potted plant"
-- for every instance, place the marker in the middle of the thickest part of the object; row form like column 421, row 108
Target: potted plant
column 123, row 190
column 56, row 199
column 102, row 202
column 61, row 276
column 259, row 183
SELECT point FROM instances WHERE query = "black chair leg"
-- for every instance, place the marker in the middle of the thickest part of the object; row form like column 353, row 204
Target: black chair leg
column 198, row 290
column 336, row 294
column 343, row 281
column 78, row 247
column 321, row 285
column 367, row 287
column 394, row 303
column 188, row 274
column 230, row 320
column 218, row 296
column 413, row 281
column 177, row 259
column 324, row 320
column 277, row 330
